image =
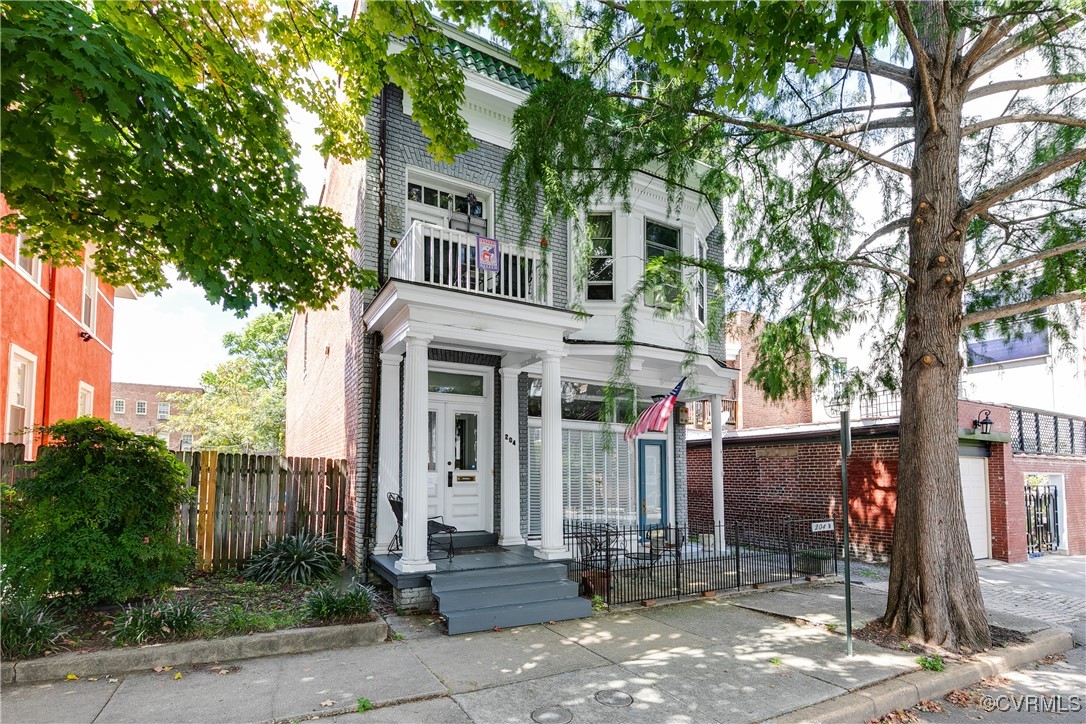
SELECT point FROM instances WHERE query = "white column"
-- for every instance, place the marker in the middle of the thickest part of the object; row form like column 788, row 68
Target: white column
column 717, row 463
column 510, row 530
column 553, row 547
column 388, row 466
column 415, row 432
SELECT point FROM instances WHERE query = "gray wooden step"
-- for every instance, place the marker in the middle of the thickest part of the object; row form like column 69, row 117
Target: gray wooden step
column 521, row 614
column 472, row 539
column 502, row 576
column 506, row 595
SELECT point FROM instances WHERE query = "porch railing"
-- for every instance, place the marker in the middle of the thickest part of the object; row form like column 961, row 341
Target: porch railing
column 449, row 258
column 631, row 564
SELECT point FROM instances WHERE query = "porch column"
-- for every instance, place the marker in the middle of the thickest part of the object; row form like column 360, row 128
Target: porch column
column 550, row 495
column 510, row 523
column 416, row 391
column 717, row 464
column 388, row 469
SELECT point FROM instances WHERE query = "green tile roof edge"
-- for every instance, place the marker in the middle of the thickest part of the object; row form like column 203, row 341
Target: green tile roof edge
column 489, row 66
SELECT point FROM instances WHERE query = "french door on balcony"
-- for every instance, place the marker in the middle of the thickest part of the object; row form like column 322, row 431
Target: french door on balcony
column 458, row 478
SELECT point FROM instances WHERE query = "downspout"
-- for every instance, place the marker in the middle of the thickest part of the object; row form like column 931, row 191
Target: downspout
column 375, row 355
column 49, row 330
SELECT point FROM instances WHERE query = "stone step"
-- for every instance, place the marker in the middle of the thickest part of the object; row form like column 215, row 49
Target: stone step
column 521, row 614
column 501, row 576
column 505, row 595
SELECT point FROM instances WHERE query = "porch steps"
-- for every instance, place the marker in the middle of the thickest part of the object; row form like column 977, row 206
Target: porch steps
column 479, row 600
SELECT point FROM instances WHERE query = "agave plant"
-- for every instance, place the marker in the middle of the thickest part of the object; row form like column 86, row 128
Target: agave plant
column 299, row 558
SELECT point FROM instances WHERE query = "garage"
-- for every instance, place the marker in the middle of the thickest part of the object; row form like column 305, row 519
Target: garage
column 974, row 475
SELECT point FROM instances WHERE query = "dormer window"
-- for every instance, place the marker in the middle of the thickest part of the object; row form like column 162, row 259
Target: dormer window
column 601, row 262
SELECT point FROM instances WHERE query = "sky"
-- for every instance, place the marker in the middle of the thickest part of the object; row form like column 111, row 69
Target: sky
column 173, row 338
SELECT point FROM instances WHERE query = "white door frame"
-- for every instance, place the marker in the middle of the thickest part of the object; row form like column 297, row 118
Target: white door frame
column 485, row 406
column 1059, row 480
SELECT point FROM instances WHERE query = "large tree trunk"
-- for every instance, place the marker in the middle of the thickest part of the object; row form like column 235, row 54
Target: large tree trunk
column 934, row 593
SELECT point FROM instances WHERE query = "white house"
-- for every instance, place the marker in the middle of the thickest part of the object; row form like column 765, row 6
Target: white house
column 473, row 388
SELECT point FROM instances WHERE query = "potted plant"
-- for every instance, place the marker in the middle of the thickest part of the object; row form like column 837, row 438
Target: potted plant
column 815, row 563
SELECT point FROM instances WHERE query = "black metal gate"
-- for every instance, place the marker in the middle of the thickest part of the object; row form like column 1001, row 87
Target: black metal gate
column 1042, row 518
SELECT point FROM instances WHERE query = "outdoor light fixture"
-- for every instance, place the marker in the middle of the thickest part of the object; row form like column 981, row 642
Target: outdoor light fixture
column 984, row 422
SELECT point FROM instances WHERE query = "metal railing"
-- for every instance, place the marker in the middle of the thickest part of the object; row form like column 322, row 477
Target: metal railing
column 1042, row 518
column 884, row 403
column 1047, row 433
column 449, row 258
column 631, row 564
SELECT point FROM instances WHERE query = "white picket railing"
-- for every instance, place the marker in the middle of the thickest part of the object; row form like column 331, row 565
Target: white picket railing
column 448, row 258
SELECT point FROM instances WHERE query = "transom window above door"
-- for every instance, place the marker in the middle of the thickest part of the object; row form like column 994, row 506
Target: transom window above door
column 456, row 383
column 456, row 208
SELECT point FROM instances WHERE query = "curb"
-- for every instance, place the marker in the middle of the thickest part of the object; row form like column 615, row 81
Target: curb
column 123, row 661
column 907, row 690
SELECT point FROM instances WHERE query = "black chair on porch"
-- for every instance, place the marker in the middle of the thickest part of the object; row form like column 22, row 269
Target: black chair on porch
column 434, row 527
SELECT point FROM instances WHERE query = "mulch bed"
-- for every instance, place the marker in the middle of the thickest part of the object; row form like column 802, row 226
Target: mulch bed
column 875, row 632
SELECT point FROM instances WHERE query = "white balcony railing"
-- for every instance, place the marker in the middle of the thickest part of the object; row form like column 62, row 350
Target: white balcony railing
column 447, row 258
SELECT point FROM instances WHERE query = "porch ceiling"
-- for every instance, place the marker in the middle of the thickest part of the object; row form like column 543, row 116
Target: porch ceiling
column 461, row 318
column 652, row 369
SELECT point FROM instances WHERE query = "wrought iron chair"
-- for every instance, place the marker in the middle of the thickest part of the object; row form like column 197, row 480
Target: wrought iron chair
column 434, row 527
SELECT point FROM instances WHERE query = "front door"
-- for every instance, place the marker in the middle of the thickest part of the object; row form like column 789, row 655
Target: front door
column 652, row 482
column 457, row 476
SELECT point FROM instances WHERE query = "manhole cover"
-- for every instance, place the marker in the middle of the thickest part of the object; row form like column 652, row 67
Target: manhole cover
column 552, row 715
column 614, row 697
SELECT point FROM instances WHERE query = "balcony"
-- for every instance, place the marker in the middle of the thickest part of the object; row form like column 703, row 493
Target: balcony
column 448, row 258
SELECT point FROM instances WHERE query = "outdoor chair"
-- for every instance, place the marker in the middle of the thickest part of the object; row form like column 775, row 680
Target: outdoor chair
column 434, row 527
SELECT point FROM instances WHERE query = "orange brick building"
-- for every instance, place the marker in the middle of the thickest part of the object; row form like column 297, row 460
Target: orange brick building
column 56, row 336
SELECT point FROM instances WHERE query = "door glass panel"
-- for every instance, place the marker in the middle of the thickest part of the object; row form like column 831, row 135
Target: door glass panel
column 466, row 443
column 455, row 383
column 431, row 465
column 654, row 508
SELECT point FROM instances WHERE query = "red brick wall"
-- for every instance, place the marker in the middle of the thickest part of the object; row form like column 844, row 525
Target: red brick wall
column 24, row 315
column 1074, row 480
column 754, row 409
column 802, row 480
column 147, row 424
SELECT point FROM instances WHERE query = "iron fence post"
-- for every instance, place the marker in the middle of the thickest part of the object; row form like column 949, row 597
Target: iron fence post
column 791, row 563
column 738, row 572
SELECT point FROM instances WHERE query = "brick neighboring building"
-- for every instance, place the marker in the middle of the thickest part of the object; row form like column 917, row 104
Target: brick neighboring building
column 56, row 337
column 144, row 409
column 795, row 472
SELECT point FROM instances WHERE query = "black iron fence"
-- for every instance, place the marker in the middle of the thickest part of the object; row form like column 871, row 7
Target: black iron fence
column 629, row 564
column 1046, row 433
column 1042, row 518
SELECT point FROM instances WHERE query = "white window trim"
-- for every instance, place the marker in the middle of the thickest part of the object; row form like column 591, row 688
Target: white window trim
column 32, row 359
column 88, row 268
column 120, row 406
column 701, row 251
column 158, row 412
column 141, row 402
column 34, row 277
column 614, row 257
column 1060, row 481
column 84, row 387
column 645, row 247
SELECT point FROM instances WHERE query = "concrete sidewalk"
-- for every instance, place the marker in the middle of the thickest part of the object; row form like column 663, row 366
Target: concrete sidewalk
column 746, row 658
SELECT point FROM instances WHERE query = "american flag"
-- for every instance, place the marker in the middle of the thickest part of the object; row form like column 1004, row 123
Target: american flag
column 655, row 417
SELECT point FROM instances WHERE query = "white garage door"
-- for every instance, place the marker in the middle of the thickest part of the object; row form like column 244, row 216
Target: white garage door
column 974, row 472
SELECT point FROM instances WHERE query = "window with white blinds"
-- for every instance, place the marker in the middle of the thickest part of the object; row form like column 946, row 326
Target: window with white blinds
column 597, row 485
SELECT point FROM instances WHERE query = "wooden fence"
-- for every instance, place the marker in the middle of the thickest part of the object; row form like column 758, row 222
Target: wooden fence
column 242, row 500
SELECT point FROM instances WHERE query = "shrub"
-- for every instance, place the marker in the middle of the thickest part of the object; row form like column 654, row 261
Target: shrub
column 99, row 517
column 157, row 620
column 332, row 604
column 300, row 558
column 29, row 628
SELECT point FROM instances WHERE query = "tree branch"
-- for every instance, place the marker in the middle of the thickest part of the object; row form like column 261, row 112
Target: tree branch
column 993, row 32
column 1024, row 118
column 985, row 200
column 894, row 225
column 875, row 125
column 987, row 315
column 851, row 109
column 772, row 127
column 1023, row 41
column 876, row 67
column 920, row 59
column 1024, row 84
column 1055, row 251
